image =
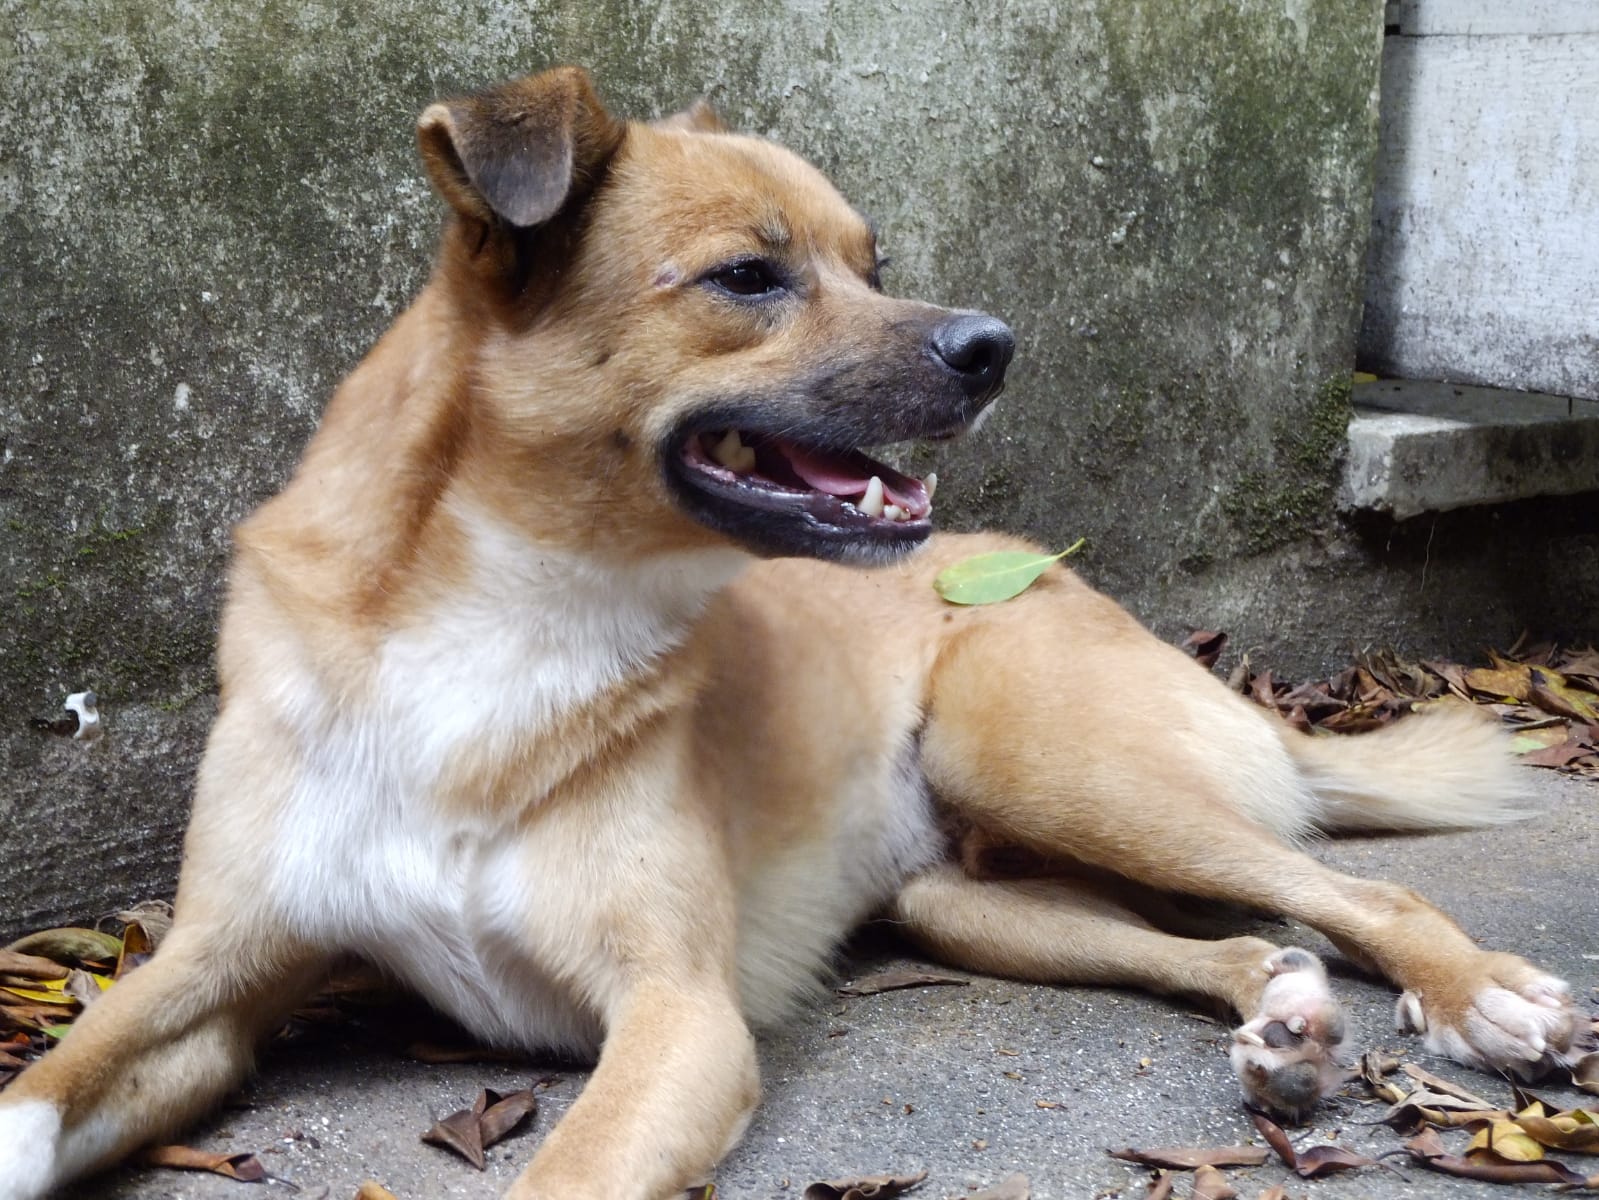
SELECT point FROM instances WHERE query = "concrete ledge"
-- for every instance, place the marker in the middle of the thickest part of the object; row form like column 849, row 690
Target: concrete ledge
column 1418, row 446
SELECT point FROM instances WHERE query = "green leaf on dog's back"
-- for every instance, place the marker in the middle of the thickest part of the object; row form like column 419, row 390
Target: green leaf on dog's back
column 990, row 578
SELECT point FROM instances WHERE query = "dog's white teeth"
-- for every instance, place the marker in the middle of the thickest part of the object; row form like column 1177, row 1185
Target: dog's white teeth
column 931, row 483
column 894, row 512
column 872, row 503
column 732, row 453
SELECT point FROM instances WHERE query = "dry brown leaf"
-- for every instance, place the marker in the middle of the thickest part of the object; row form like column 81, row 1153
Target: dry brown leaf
column 893, row 981
column 81, row 986
column 473, row 1130
column 1504, row 1140
column 1314, row 1162
column 1211, row 1184
column 134, row 951
column 72, row 945
column 1585, row 1072
column 1014, row 1186
column 30, row 966
column 244, row 1167
column 1428, row 1149
column 703, row 1191
column 1205, row 645
column 153, row 916
column 864, row 1187
column 460, row 1133
column 372, row 1190
column 1434, row 1083
column 1160, row 1186
column 1189, row 1158
column 1576, row 1130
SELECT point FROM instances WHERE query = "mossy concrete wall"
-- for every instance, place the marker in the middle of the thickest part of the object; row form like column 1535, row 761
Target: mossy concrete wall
column 209, row 210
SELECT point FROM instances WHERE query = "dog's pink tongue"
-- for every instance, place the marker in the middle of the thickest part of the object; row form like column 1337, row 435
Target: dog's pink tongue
column 838, row 477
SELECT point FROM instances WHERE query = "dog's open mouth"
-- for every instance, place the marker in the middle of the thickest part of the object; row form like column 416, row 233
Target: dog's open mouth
column 782, row 496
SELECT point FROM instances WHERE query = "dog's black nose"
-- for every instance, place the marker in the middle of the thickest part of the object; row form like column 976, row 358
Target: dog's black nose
column 976, row 346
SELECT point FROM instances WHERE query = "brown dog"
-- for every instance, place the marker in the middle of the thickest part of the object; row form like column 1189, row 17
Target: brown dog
column 508, row 705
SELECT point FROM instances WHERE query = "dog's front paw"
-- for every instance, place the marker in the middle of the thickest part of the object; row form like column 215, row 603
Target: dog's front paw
column 29, row 1132
column 1510, row 1017
column 1287, row 1056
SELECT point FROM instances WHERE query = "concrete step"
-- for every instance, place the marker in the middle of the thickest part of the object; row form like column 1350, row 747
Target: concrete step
column 1419, row 446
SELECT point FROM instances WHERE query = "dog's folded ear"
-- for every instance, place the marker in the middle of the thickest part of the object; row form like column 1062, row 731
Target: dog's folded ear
column 698, row 117
column 518, row 153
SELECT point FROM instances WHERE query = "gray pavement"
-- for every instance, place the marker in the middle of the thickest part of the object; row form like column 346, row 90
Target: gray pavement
column 949, row 1080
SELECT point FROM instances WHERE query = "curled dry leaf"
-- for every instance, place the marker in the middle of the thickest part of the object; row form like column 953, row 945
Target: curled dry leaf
column 1585, row 1072
column 1014, row 1186
column 703, row 1191
column 1433, row 1083
column 1205, row 645
column 1211, row 1184
column 1428, row 1149
column 30, row 966
column 1189, row 1158
column 372, row 1190
column 246, row 1168
column 72, row 946
column 154, row 916
column 1311, row 1163
column 1504, row 1140
column 491, row 1118
column 1576, row 1130
column 865, row 1187
column 1160, row 1186
column 893, row 981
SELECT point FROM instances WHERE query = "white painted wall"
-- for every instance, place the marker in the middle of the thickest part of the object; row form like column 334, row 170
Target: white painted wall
column 1484, row 258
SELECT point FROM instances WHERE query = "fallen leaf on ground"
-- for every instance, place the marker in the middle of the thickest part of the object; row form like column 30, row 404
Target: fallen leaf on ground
column 704, row 1191
column 1505, row 1140
column 1428, row 1149
column 893, row 981
column 1205, row 645
column 1160, row 1186
column 1434, row 1083
column 374, row 1191
column 1585, row 1072
column 1577, row 1129
column 72, row 946
column 1211, row 1184
column 1314, row 1162
column 1014, row 1186
column 473, row 1130
column 31, row 966
column 246, row 1168
column 865, row 1187
column 1189, row 1158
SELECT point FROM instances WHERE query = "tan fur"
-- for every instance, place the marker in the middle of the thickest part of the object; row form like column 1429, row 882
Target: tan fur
column 685, row 777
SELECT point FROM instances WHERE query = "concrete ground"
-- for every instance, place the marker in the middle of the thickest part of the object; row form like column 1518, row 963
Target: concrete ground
column 949, row 1080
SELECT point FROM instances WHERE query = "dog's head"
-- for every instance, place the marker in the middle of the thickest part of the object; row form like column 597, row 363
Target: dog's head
column 680, row 334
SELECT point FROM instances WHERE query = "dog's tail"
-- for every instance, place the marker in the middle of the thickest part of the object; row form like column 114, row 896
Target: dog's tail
column 1448, row 767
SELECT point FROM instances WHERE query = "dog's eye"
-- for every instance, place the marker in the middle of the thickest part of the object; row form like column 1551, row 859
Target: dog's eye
column 752, row 277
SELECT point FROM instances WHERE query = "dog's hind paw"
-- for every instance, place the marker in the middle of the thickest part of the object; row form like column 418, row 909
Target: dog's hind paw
column 1287, row 1056
column 1512, row 1018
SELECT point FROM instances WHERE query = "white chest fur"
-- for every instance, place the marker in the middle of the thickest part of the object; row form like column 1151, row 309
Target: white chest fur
column 366, row 858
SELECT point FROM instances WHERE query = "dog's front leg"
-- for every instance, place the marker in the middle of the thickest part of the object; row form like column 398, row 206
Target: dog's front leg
column 154, row 1052
column 673, row 1091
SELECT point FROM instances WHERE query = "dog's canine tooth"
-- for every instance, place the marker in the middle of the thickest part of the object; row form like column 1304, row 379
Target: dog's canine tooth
column 931, row 483
column 872, row 503
column 732, row 453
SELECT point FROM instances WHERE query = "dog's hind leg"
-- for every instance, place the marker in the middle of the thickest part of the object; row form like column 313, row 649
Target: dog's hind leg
column 1066, row 931
column 1148, row 793
column 154, row 1052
